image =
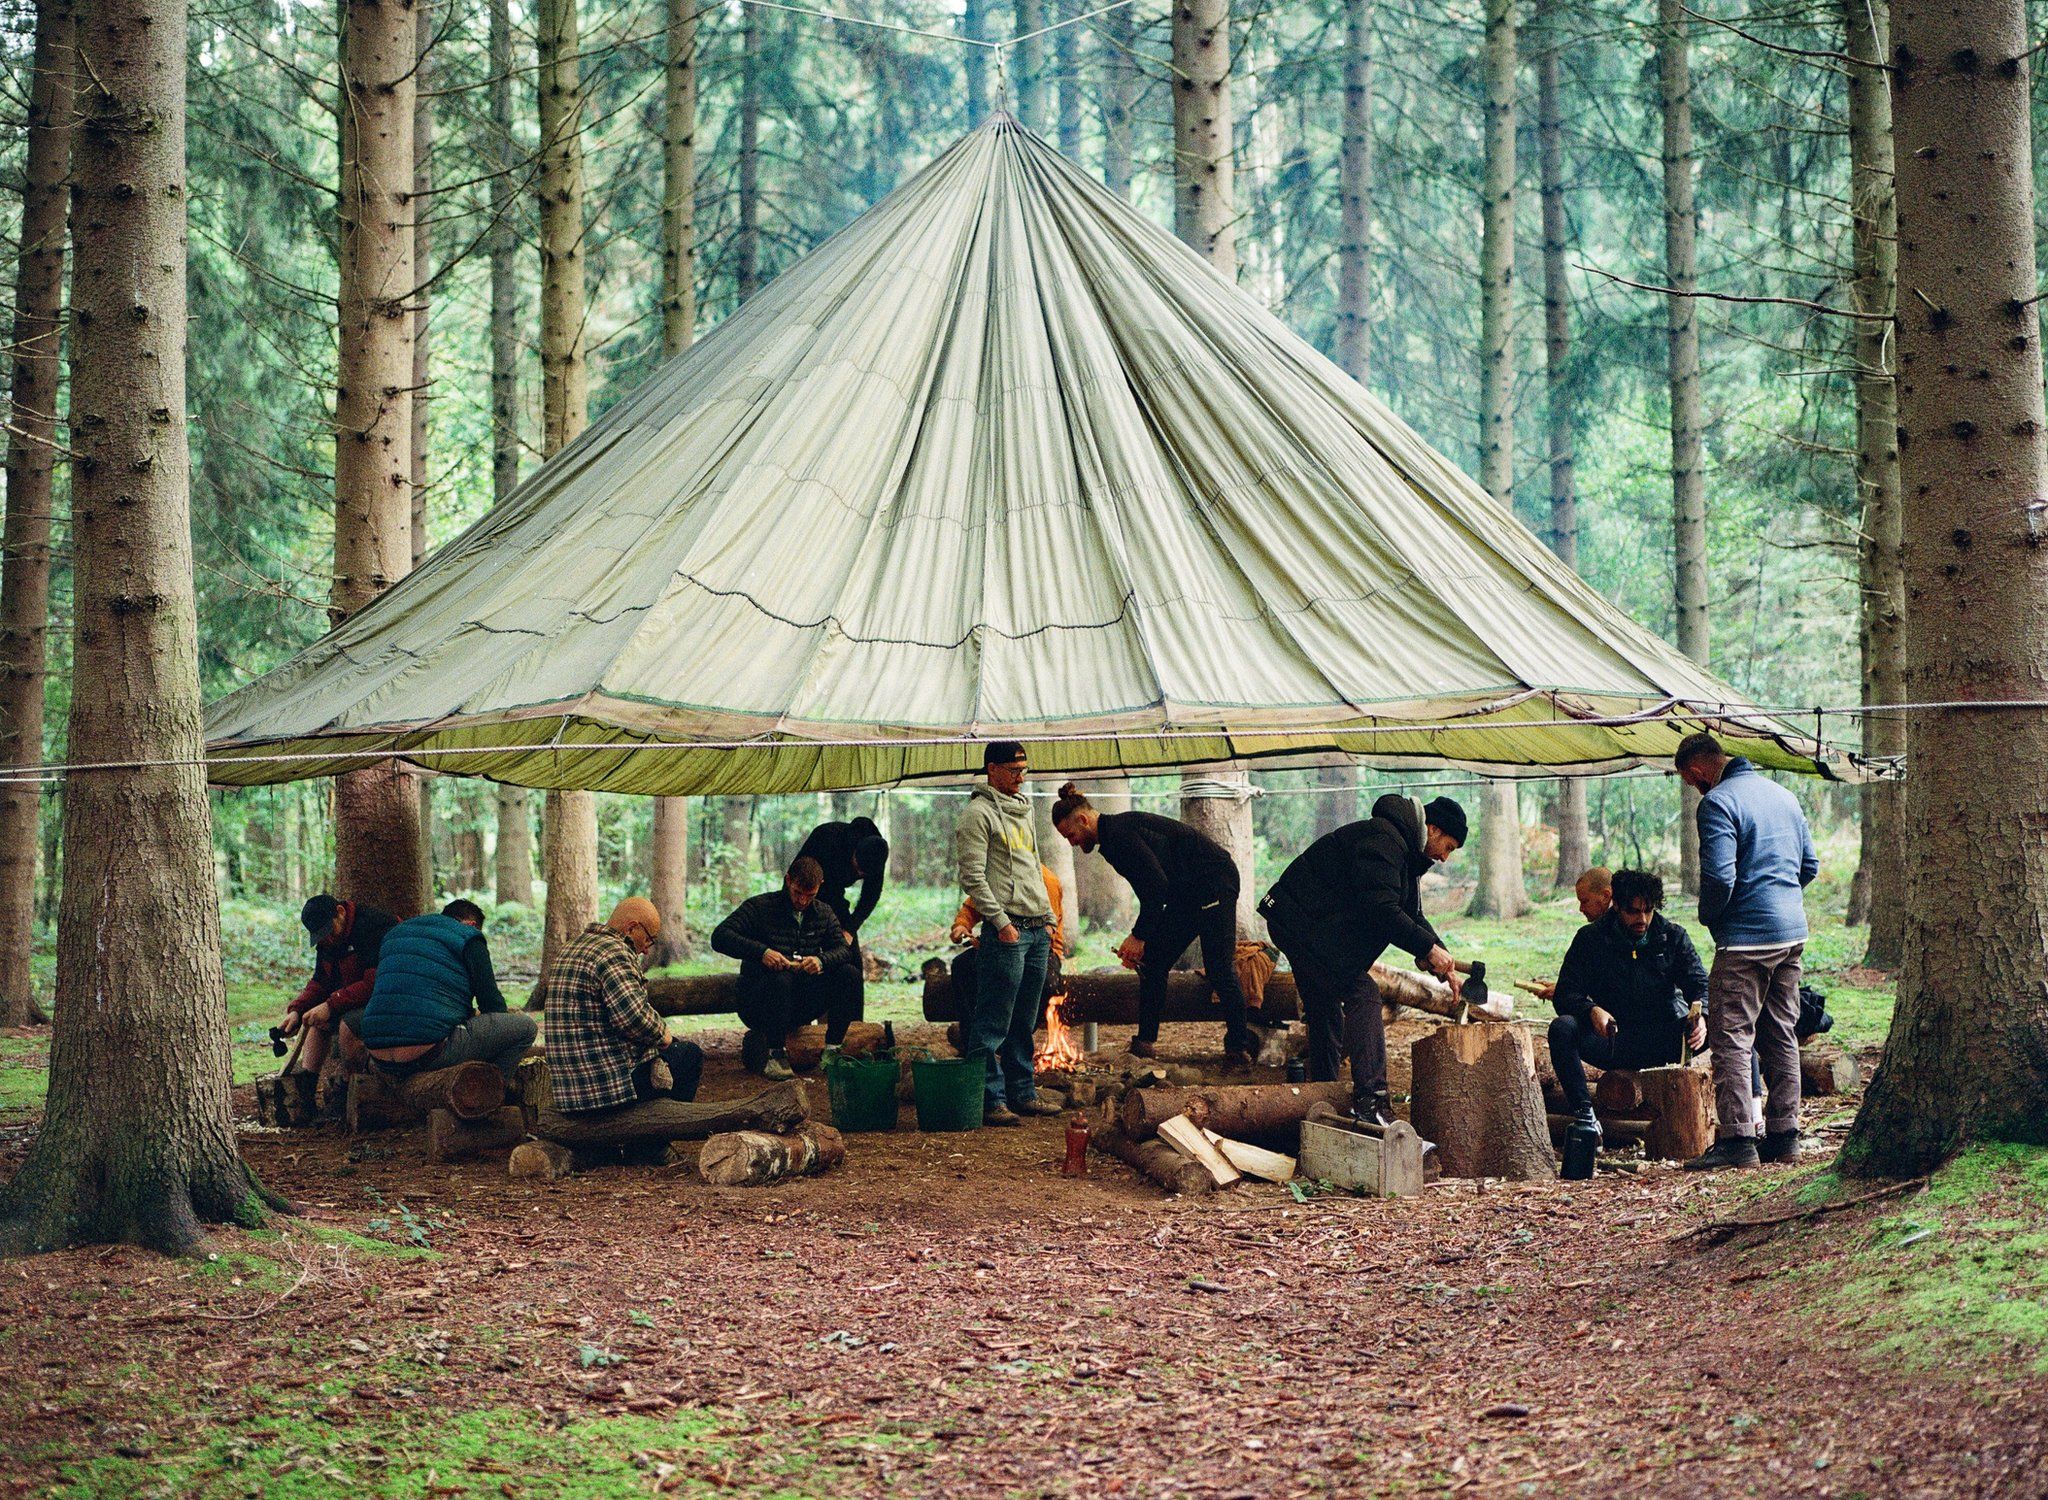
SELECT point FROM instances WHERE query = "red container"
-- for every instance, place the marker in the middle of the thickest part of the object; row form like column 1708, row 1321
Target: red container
column 1076, row 1164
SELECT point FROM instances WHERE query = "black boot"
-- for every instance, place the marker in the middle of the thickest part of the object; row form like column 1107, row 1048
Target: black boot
column 1734, row 1151
column 1778, row 1145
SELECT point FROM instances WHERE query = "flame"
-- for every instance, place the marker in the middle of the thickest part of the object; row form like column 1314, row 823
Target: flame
column 1062, row 1049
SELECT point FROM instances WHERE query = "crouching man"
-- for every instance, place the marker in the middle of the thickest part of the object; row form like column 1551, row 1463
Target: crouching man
column 347, row 939
column 793, row 956
column 436, row 1002
column 1623, row 996
column 604, row 1038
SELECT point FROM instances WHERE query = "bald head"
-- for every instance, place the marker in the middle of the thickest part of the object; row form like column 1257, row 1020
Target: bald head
column 1595, row 890
column 636, row 920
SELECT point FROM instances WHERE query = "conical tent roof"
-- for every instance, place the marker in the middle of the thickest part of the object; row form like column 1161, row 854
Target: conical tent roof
column 1001, row 459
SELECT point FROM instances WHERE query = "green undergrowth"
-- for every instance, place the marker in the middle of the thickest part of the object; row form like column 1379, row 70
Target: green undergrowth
column 484, row 1453
column 1956, row 1276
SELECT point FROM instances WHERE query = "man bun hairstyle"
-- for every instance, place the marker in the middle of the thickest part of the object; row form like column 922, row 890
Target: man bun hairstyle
column 1445, row 814
column 1631, row 886
column 1697, row 747
column 462, row 909
column 1069, row 802
column 807, row 874
column 317, row 915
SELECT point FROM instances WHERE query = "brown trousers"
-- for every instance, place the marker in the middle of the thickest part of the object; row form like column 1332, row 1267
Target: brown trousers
column 1753, row 1009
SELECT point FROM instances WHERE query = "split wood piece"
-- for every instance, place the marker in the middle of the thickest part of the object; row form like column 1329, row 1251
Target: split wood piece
column 1109, row 997
column 1612, row 1132
column 452, row 1138
column 1426, row 992
column 542, row 1160
column 530, row 1084
column 805, row 1046
column 782, row 1107
column 1186, row 1137
column 1677, row 1100
column 1476, row 1097
column 470, row 1091
column 288, row 1100
column 750, row 1158
column 1155, row 1160
column 1824, row 1071
column 1253, row 1161
column 1252, row 1111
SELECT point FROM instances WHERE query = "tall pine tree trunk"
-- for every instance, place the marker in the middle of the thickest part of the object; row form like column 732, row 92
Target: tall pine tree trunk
column 1574, row 840
column 32, row 493
column 1500, row 892
column 138, row 1140
column 1967, row 1056
column 423, row 269
column 747, row 252
column 669, row 844
column 569, row 846
column 377, row 828
column 974, row 26
column 1879, row 891
column 1119, row 99
column 1688, row 479
column 512, row 875
column 1337, row 803
column 1205, row 216
column 1027, row 58
column 1067, row 65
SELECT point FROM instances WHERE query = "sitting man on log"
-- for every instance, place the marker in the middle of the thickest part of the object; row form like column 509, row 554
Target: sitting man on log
column 1628, row 983
column 846, row 853
column 606, row 1046
column 347, row 938
column 791, row 951
column 964, row 931
column 1186, row 884
column 1344, row 901
column 436, row 1001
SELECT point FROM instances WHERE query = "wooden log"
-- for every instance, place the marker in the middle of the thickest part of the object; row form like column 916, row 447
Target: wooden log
column 780, row 1108
column 452, row 1138
column 1476, row 1096
column 542, row 1160
column 750, row 1158
column 1110, row 997
column 1242, row 1111
column 1679, row 1102
column 1253, row 1161
column 1188, row 1138
column 1155, row 1160
column 288, row 1100
column 1426, row 992
column 470, row 1091
column 805, row 1046
column 1618, row 1092
column 697, row 995
column 1826, row 1071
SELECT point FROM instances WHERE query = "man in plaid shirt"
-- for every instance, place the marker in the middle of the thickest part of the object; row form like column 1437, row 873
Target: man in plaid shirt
column 603, row 1039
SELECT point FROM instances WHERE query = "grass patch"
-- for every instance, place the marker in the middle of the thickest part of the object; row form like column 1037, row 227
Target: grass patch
column 329, row 1234
column 24, row 1071
column 1960, row 1273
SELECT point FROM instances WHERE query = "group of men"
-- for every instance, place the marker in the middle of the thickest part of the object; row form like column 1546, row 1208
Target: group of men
column 421, row 993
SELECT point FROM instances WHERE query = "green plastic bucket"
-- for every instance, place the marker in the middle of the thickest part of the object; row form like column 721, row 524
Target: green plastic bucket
column 949, row 1091
column 863, row 1091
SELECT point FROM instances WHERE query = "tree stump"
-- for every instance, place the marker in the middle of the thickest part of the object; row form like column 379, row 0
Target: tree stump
column 452, row 1138
column 1476, row 1097
column 470, row 1091
column 1825, row 1071
column 1679, row 1103
column 751, row 1158
column 288, row 1099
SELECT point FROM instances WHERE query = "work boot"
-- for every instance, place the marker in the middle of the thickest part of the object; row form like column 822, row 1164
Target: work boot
column 1737, row 1151
column 1236, row 1060
column 1000, row 1114
column 777, row 1069
column 1141, row 1048
column 753, row 1050
column 1036, row 1106
column 1778, row 1145
column 1376, row 1109
column 1585, row 1119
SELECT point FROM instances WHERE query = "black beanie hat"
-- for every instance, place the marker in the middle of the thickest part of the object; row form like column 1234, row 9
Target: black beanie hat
column 317, row 915
column 1447, row 815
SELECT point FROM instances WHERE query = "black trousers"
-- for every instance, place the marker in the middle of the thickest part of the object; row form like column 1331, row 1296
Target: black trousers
column 774, row 1002
column 1215, row 927
column 1574, row 1043
column 686, row 1067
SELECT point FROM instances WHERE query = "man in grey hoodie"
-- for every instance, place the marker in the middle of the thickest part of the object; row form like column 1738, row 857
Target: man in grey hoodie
column 996, row 853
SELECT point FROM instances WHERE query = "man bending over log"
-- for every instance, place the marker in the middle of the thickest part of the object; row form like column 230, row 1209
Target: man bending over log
column 1628, row 982
column 436, row 1001
column 791, row 954
column 1344, row 901
column 1187, row 893
column 604, row 1039
column 346, row 940
column 846, row 853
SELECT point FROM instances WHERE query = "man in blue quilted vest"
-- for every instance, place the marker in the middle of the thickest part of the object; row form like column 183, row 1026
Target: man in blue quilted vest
column 436, row 1001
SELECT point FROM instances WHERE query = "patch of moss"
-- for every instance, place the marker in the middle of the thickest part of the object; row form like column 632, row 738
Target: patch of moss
column 256, row 1272
column 329, row 1234
column 24, row 1072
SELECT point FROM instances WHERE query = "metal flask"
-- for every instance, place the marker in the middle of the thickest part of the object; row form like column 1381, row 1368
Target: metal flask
column 1581, row 1145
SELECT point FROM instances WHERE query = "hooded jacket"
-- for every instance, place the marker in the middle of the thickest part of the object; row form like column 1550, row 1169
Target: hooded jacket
column 996, row 853
column 1645, row 983
column 1356, row 892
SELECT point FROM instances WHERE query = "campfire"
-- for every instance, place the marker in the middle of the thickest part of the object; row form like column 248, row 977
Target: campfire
column 1062, row 1048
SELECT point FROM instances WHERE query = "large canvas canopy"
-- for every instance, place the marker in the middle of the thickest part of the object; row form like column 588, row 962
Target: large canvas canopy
column 1001, row 459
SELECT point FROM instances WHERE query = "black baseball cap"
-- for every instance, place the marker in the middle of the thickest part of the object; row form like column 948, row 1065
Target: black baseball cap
column 1001, row 753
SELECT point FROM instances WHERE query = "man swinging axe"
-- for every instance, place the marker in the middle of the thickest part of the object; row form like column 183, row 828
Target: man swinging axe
column 1344, row 901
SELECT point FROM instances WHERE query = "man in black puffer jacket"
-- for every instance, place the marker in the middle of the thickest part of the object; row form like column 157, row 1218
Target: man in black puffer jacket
column 1350, row 896
column 790, row 947
column 1624, row 992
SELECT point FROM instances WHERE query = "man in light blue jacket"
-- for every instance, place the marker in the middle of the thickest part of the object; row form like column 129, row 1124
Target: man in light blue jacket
column 1756, row 860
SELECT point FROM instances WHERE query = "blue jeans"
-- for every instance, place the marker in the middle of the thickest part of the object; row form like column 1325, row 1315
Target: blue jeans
column 1010, row 978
